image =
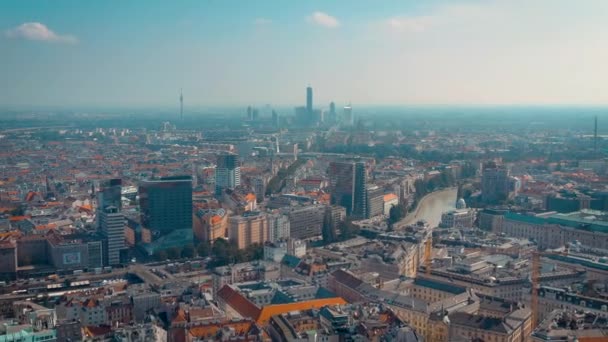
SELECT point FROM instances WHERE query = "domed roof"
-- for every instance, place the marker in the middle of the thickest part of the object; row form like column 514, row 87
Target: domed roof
column 461, row 204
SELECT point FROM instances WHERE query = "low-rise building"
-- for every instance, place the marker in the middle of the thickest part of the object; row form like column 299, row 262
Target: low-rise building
column 459, row 218
column 390, row 200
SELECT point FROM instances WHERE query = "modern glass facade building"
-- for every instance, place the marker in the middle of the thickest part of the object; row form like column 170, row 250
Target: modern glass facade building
column 348, row 186
column 166, row 211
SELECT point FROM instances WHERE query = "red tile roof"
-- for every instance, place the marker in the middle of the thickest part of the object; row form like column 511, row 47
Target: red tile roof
column 239, row 303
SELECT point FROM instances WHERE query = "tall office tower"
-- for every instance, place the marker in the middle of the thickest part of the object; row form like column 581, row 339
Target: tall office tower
column 110, row 194
column 495, row 183
column 227, row 172
column 166, row 211
column 360, row 208
column 595, row 136
column 247, row 229
column 111, row 221
column 347, row 117
column 181, row 104
column 249, row 113
column 309, row 100
column 332, row 113
column 348, row 183
column 275, row 118
column 255, row 114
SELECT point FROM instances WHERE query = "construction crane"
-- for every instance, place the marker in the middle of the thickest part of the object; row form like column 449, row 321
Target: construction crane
column 535, row 278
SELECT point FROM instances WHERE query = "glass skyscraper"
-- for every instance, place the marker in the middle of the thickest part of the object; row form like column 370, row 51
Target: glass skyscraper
column 348, row 184
column 166, row 211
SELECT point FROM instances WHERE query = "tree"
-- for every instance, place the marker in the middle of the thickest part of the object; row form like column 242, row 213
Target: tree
column 188, row 251
column 174, row 252
column 160, row 255
column 396, row 213
column 220, row 252
column 17, row 211
column 348, row 230
column 203, row 249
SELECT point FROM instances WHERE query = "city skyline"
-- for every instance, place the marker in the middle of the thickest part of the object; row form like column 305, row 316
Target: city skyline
column 402, row 53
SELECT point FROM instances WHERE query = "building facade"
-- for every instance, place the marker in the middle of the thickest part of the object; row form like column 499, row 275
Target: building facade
column 348, row 187
column 227, row 172
column 247, row 229
column 166, row 211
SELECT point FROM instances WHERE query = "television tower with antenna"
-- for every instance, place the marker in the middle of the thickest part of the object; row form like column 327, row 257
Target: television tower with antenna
column 595, row 137
column 181, row 104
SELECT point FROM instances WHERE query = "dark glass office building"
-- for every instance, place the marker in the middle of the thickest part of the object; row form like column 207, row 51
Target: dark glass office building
column 166, row 211
column 348, row 184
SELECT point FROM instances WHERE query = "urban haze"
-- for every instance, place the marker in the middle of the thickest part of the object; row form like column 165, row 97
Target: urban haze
column 268, row 170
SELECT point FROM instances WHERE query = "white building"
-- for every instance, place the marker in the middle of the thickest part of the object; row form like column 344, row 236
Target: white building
column 459, row 218
column 389, row 201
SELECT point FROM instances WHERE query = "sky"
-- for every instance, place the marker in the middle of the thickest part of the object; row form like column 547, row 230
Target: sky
column 226, row 52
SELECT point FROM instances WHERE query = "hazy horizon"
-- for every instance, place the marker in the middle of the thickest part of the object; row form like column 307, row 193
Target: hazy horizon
column 230, row 53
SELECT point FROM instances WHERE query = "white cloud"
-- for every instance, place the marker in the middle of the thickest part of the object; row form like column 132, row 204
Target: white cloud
column 39, row 32
column 410, row 24
column 262, row 21
column 323, row 19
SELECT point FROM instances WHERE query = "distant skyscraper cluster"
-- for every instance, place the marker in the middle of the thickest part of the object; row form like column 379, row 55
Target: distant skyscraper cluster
column 309, row 116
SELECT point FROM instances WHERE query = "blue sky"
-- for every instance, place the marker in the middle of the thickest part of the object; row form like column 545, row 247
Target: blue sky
column 140, row 53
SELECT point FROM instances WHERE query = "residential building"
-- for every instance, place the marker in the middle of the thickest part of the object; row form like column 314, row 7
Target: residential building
column 227, row 172
column 249, row 228
column 278, row 227
column 305, row 222
column 210, row 225
column 375, row 201
column 390, row 200
column 494, row 183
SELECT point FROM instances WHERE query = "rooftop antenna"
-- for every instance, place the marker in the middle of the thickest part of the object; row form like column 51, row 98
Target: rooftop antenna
column 181, row 104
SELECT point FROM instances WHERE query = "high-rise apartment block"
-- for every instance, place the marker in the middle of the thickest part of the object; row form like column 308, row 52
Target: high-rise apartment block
column 278, row 227
column 227, row 172
column 495, row 183
column 111, row 221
